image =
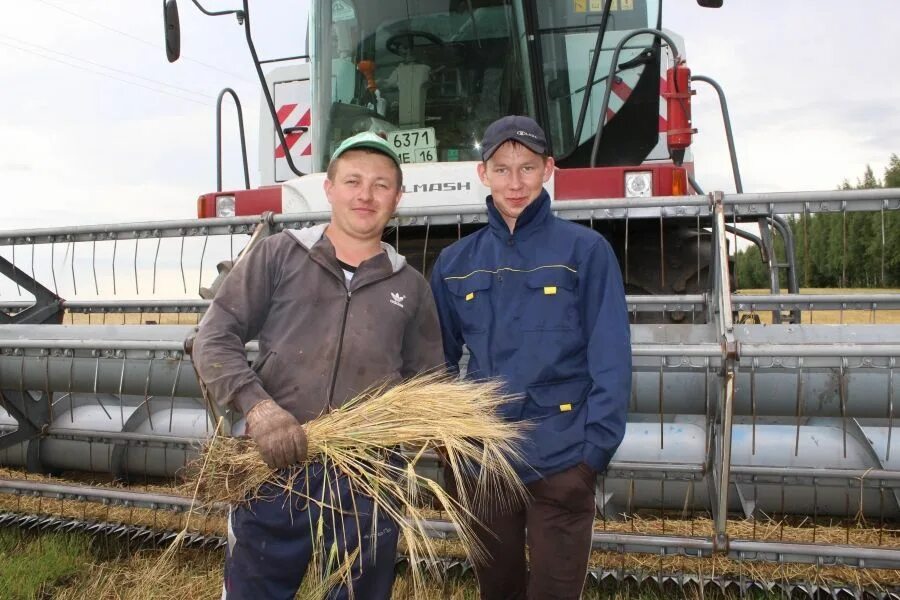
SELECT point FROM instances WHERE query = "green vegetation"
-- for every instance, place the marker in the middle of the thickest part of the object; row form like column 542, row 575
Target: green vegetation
column 858, row 250
column 31, row 564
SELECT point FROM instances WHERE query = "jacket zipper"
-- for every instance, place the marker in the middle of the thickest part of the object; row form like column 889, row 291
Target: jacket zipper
column 337, row 357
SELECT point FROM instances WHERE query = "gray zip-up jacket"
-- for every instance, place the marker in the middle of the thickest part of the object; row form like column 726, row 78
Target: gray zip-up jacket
column 320, row 343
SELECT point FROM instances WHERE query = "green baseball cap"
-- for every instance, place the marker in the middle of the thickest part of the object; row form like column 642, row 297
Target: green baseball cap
column 370, row 140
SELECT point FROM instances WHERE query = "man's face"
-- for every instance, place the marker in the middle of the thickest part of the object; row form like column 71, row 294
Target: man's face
column 515, row 176
column 363, row 193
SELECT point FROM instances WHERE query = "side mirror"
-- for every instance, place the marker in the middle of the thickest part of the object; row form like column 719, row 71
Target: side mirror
column 173, row 29
column 710, row 3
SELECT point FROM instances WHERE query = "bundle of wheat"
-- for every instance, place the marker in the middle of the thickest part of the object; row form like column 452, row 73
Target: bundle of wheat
column 363, row 442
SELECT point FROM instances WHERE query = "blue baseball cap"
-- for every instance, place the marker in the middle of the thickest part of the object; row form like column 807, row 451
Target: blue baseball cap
column 521, row 129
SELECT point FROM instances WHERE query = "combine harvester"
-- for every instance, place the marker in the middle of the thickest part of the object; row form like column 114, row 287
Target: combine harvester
column 741, row 421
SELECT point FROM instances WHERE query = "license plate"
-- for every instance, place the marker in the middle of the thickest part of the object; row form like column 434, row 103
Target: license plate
column 414, row 145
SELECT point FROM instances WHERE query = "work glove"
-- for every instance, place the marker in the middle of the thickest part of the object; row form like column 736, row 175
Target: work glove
column 280, row 437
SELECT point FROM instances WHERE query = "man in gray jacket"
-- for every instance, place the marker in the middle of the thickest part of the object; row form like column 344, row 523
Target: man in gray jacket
column 335, row 311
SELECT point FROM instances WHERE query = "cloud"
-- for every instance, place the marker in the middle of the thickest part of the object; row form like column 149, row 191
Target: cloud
column 810, row 103
column 11, row 167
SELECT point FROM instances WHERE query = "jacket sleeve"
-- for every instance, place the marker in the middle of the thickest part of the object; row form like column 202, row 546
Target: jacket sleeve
column 422, row 338
column 609, row 354
column 235, row 316
column 451, row 332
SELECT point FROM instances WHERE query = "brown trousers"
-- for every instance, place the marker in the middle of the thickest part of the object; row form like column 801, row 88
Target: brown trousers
column 556, row 524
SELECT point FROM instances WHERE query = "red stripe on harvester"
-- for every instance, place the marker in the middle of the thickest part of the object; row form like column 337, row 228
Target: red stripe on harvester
column 663, row 124
column 284, row 112
column 307, row 151
column 621, row 89
column 292, row 138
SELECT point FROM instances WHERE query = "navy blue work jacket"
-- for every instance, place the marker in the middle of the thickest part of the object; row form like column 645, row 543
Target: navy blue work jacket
column 544, row 310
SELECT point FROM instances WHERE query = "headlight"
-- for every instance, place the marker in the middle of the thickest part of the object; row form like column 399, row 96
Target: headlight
column 638, row 184
column 225, row 206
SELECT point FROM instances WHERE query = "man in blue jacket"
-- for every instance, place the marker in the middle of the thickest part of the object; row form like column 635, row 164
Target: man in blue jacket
column 539, row 303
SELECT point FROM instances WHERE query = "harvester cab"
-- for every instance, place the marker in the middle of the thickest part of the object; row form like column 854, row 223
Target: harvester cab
column 430, row 76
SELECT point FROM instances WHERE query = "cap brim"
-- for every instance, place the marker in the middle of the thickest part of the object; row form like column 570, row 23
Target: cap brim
column 536, row 148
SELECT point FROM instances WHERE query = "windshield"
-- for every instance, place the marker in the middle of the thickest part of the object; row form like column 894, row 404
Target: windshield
column 430, row 75
column 567, row 37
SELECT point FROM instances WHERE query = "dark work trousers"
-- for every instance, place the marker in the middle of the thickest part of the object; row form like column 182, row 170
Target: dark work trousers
column 556, row 524
column 270, row 540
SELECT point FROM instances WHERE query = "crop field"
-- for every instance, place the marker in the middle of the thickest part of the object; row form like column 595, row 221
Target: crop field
column 131, row 319
column 832, row 317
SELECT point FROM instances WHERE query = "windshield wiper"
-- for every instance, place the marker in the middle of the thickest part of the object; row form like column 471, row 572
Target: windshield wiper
column 641, row 59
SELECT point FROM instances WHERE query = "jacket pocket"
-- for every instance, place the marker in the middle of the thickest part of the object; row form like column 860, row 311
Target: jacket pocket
column 471, row 300
column 551, row 300
column 557, row 402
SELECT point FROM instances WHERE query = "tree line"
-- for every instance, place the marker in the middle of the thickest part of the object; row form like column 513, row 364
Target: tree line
column 848, row 250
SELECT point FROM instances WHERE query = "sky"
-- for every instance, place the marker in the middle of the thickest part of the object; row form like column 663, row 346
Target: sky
column 96, row 126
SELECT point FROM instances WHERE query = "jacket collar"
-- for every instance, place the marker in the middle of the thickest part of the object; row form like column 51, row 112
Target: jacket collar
column 312, row 236
column 529, row 220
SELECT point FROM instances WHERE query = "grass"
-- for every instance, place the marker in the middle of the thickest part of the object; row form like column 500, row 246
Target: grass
column 32, row 564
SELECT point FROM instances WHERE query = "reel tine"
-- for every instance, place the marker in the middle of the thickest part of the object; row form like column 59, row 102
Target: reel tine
column 18, row 287
column 202, row 256
column 890, row 405
column 147, row 392
column 662, row 364
column 53, row 267
column 94, row 266
column 181, row 265
column 842, row 391
column 70, row 386
column 121, row 400
column 115, row 248
column 753, row 366
column 137, row 242
column 174, row 389
column 72, row 265
column 799, row 404
column 33, row 279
